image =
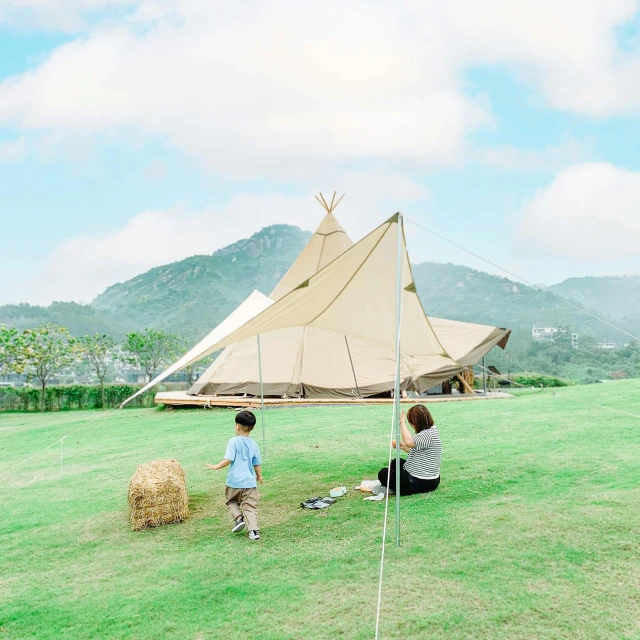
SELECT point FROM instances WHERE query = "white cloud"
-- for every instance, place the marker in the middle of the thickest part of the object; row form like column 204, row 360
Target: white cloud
column 284, row 88
column 13, row 150
column 588, row 214
column 82, row 267
column 552, row 158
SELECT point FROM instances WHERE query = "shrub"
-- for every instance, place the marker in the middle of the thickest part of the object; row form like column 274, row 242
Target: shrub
column 537, row 380
column 72, row 396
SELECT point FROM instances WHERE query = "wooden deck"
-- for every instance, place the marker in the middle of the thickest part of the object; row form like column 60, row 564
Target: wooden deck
column 181, row 399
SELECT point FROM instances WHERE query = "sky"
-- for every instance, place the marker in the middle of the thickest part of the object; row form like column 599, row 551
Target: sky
column 137, row 133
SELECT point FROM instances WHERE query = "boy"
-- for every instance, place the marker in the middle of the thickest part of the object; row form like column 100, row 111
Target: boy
column 241, row 493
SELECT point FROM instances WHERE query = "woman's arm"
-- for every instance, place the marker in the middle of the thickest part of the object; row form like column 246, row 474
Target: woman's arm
column 407, row 438
column 403, row 446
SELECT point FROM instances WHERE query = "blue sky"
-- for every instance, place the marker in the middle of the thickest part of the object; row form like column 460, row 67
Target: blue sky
column 134, row 134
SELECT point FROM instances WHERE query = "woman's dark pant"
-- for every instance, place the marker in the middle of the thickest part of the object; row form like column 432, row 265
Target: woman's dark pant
column 409, row 485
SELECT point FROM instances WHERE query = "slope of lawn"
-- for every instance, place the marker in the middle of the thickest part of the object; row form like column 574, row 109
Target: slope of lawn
column 533, row 533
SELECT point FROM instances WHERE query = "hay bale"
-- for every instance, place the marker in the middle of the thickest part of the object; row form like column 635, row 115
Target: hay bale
column 158, row 495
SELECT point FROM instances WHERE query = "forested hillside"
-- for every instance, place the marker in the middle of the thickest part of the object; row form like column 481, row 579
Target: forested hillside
column 191, row 296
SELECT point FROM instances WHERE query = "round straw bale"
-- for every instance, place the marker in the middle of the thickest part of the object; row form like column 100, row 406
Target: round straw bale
column 158, row 495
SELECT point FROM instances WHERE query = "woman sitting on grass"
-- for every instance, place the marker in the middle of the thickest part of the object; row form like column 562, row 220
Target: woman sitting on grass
column 420, row 472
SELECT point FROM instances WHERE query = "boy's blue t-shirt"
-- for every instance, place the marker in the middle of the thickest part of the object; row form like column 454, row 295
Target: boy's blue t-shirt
column 244, row 454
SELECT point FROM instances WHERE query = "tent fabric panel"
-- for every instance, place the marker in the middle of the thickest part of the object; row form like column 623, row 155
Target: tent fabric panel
column 326, row 244
column 467, row 342
column 279, row 354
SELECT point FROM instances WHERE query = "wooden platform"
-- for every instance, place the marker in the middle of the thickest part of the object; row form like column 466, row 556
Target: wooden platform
column 181, row 399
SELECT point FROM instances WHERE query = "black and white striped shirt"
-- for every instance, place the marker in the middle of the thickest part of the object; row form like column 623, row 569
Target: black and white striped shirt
column 423, row 461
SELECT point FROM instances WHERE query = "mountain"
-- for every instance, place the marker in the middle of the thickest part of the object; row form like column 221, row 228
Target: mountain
column 192, row 296
column 620, row 296
column 80, row 319
column 460, row 293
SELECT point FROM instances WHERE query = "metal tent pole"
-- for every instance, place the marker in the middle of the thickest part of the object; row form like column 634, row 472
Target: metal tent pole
column 484, row 376
column 396, row 390
column 353, row 369
column 264, row 443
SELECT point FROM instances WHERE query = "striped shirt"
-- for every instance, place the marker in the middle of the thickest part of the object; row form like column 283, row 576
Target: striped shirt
column 423, row 461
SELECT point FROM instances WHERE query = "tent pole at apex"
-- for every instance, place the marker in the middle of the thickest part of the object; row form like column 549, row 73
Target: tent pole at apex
column 396, row 390
column 264, row 444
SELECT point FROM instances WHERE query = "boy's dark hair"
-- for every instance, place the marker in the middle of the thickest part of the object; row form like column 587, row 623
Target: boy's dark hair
column 246, row 420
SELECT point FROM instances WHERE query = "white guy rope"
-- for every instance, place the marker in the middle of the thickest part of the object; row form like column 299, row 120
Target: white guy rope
column 527, row 282
column 100, row 421
column 37, row 453
column 386, row 514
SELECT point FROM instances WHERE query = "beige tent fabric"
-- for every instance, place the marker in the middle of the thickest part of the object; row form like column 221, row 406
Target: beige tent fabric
column 467, row 342
column 310, row 362
column 326, row 244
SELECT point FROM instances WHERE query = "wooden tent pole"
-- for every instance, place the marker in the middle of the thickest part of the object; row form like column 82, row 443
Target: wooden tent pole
column 465, row 384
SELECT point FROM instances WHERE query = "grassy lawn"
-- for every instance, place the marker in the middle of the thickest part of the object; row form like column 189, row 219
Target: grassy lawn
column 533, row 533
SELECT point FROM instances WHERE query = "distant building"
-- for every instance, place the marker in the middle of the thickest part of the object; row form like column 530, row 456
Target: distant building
column 548, row 334
column 134, row 376
column 544, row 333
column 13, row 380
column 607, row 346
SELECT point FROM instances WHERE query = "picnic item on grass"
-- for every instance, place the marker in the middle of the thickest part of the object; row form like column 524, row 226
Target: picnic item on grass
column 368, row 485
column 317, row 503
column 338, row 492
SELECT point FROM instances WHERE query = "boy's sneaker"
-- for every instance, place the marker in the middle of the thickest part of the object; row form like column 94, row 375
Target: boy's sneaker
column 238, row 526
column 254, row 535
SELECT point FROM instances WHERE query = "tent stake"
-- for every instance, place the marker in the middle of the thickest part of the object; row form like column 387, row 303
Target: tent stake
column 264, row 444
column 396, row 390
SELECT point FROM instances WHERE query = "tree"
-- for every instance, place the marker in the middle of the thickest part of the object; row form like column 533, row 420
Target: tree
column 11, row 353
column 96, row 350
column 180, row 348
column 46, row 350
column 150, row 349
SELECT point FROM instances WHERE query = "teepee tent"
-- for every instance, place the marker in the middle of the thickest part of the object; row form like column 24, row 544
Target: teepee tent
column 315, row 362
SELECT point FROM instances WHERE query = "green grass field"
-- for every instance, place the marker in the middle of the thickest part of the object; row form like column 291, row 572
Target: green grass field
column 533, row 533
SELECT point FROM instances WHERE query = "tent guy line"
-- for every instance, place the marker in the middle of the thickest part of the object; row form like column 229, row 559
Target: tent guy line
column 527, row 282
column 82, row 426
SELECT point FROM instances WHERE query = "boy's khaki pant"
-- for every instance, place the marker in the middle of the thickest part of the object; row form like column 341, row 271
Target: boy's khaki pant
column 245, row 499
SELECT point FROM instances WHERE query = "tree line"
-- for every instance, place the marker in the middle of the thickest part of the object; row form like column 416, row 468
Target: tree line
column 47, row 350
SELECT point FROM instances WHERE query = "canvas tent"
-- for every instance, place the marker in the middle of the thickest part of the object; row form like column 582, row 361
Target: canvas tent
column 315, row 362
column 332, row 334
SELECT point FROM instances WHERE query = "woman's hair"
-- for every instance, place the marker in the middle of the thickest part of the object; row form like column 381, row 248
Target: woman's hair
column 420, row 418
